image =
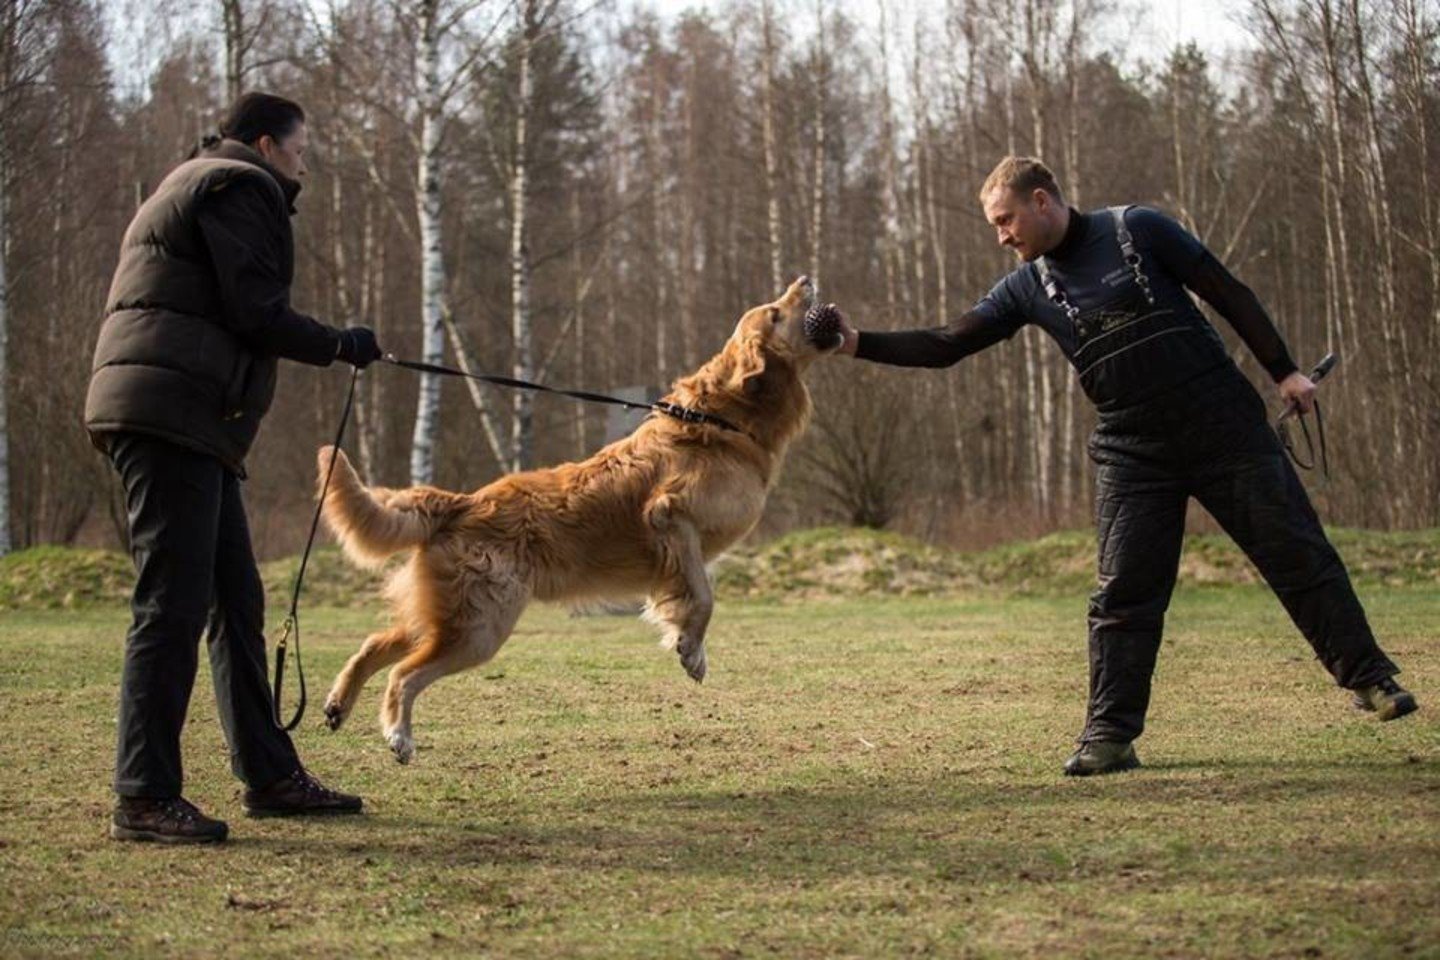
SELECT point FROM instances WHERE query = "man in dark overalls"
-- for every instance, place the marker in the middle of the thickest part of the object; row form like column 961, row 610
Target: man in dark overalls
column 1176, row 419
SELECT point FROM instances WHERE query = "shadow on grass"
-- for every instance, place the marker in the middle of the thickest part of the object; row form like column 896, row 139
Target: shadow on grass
column 1271, row 824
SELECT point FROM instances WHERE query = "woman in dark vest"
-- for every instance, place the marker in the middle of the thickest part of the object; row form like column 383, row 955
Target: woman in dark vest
column 197, row 317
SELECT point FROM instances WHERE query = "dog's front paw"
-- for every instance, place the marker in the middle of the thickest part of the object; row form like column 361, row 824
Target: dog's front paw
column 335, row 712
column 693, row 661
column 402, row 745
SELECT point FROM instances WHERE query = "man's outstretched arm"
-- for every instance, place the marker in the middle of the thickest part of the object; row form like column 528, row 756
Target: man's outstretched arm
column 984, row 325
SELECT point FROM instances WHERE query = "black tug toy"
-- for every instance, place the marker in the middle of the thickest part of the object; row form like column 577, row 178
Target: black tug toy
column 822, row 325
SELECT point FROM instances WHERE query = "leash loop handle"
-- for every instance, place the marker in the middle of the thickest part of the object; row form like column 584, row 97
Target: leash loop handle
column 1319, row 372
column 291, row 626
column 292, row 620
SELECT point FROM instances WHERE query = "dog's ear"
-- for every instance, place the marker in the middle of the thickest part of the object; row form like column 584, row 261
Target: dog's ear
column 752, row 363
column 760, row 372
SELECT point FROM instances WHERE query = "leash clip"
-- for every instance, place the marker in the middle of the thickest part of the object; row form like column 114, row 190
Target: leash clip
column 285, row 632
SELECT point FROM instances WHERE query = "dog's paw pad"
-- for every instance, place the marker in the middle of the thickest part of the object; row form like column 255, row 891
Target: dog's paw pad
column 402, row 746
column 334, row 716
column 695, row 666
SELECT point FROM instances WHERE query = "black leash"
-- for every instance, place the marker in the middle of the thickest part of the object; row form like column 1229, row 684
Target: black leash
column 659, row 406
column 1326, row 364
column 292, row 621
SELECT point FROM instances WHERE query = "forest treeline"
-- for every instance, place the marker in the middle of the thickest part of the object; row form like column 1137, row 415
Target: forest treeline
column 590, row 196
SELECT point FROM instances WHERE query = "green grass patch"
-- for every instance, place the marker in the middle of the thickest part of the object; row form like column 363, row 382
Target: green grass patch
column 855, row 779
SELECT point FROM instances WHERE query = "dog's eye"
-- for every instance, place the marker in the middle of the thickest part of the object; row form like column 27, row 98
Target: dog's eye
column 774, row 314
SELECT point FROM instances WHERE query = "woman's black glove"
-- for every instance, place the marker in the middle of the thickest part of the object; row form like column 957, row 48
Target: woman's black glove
column 358, row 347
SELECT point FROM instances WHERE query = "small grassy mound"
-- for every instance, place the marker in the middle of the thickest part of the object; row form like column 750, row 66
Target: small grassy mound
column 63, row 578
column 841, row 562
column 330, row 581
column 1406, row 558
column 808, row 564
column 831, row 561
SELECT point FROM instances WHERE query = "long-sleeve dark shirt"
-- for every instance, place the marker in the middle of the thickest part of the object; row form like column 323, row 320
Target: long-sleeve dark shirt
column 1020, row 298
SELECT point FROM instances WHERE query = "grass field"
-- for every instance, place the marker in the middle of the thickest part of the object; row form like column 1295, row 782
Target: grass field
column 868, row 778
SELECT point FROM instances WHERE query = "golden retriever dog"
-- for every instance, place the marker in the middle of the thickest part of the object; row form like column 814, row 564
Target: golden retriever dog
column 641, row 517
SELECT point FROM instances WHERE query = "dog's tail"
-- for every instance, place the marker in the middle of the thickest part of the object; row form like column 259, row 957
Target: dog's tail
column 372, row 523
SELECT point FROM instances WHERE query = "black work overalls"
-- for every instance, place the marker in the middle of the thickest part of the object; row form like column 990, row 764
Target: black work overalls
column 1177, row 419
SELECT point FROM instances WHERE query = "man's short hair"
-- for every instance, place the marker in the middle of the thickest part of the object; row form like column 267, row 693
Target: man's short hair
column 1024, row 175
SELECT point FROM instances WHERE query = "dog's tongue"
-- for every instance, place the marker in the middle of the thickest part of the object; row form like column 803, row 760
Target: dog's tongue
column 822, row 325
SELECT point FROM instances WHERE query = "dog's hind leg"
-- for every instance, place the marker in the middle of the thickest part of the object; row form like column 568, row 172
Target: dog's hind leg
column 456, row 648
column 683, row 601
column 379, row 651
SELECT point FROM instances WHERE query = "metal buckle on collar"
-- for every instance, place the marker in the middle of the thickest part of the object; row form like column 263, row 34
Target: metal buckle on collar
column 680, row 413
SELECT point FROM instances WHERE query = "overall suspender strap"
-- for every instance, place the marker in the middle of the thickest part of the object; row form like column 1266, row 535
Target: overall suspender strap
column 1053, row 291
column 1122, row 232
column 1130, row 254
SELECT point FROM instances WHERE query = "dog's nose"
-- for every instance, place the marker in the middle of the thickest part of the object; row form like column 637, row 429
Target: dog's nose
column 807, row 289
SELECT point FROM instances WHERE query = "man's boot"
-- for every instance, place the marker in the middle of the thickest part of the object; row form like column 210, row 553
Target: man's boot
column 1386, row 699
column 164, row 820
column 1101, row 756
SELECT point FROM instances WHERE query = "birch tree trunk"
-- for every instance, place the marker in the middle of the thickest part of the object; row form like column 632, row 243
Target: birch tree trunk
column 817, row 186
column 234, row 19
column 5, row 542
column 893, row 250
column 13, row 19
column 1074, row 182
column 45, row 497
column 1376, row 181
column 1399, row 378
column 1072, row 467
column 368, row 419
column 579, row 341
column 432, row 264
column 659, row 221
column 490, row 423
column 522, row 413
column 772, row 173
column 692, row 266
column 1330, row 50
column 1039, row 27
column 930, row 235
column 1008, row 94
column 1330, row 42
column 1416, row 85
column 935, row 226
column 1177, row 141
